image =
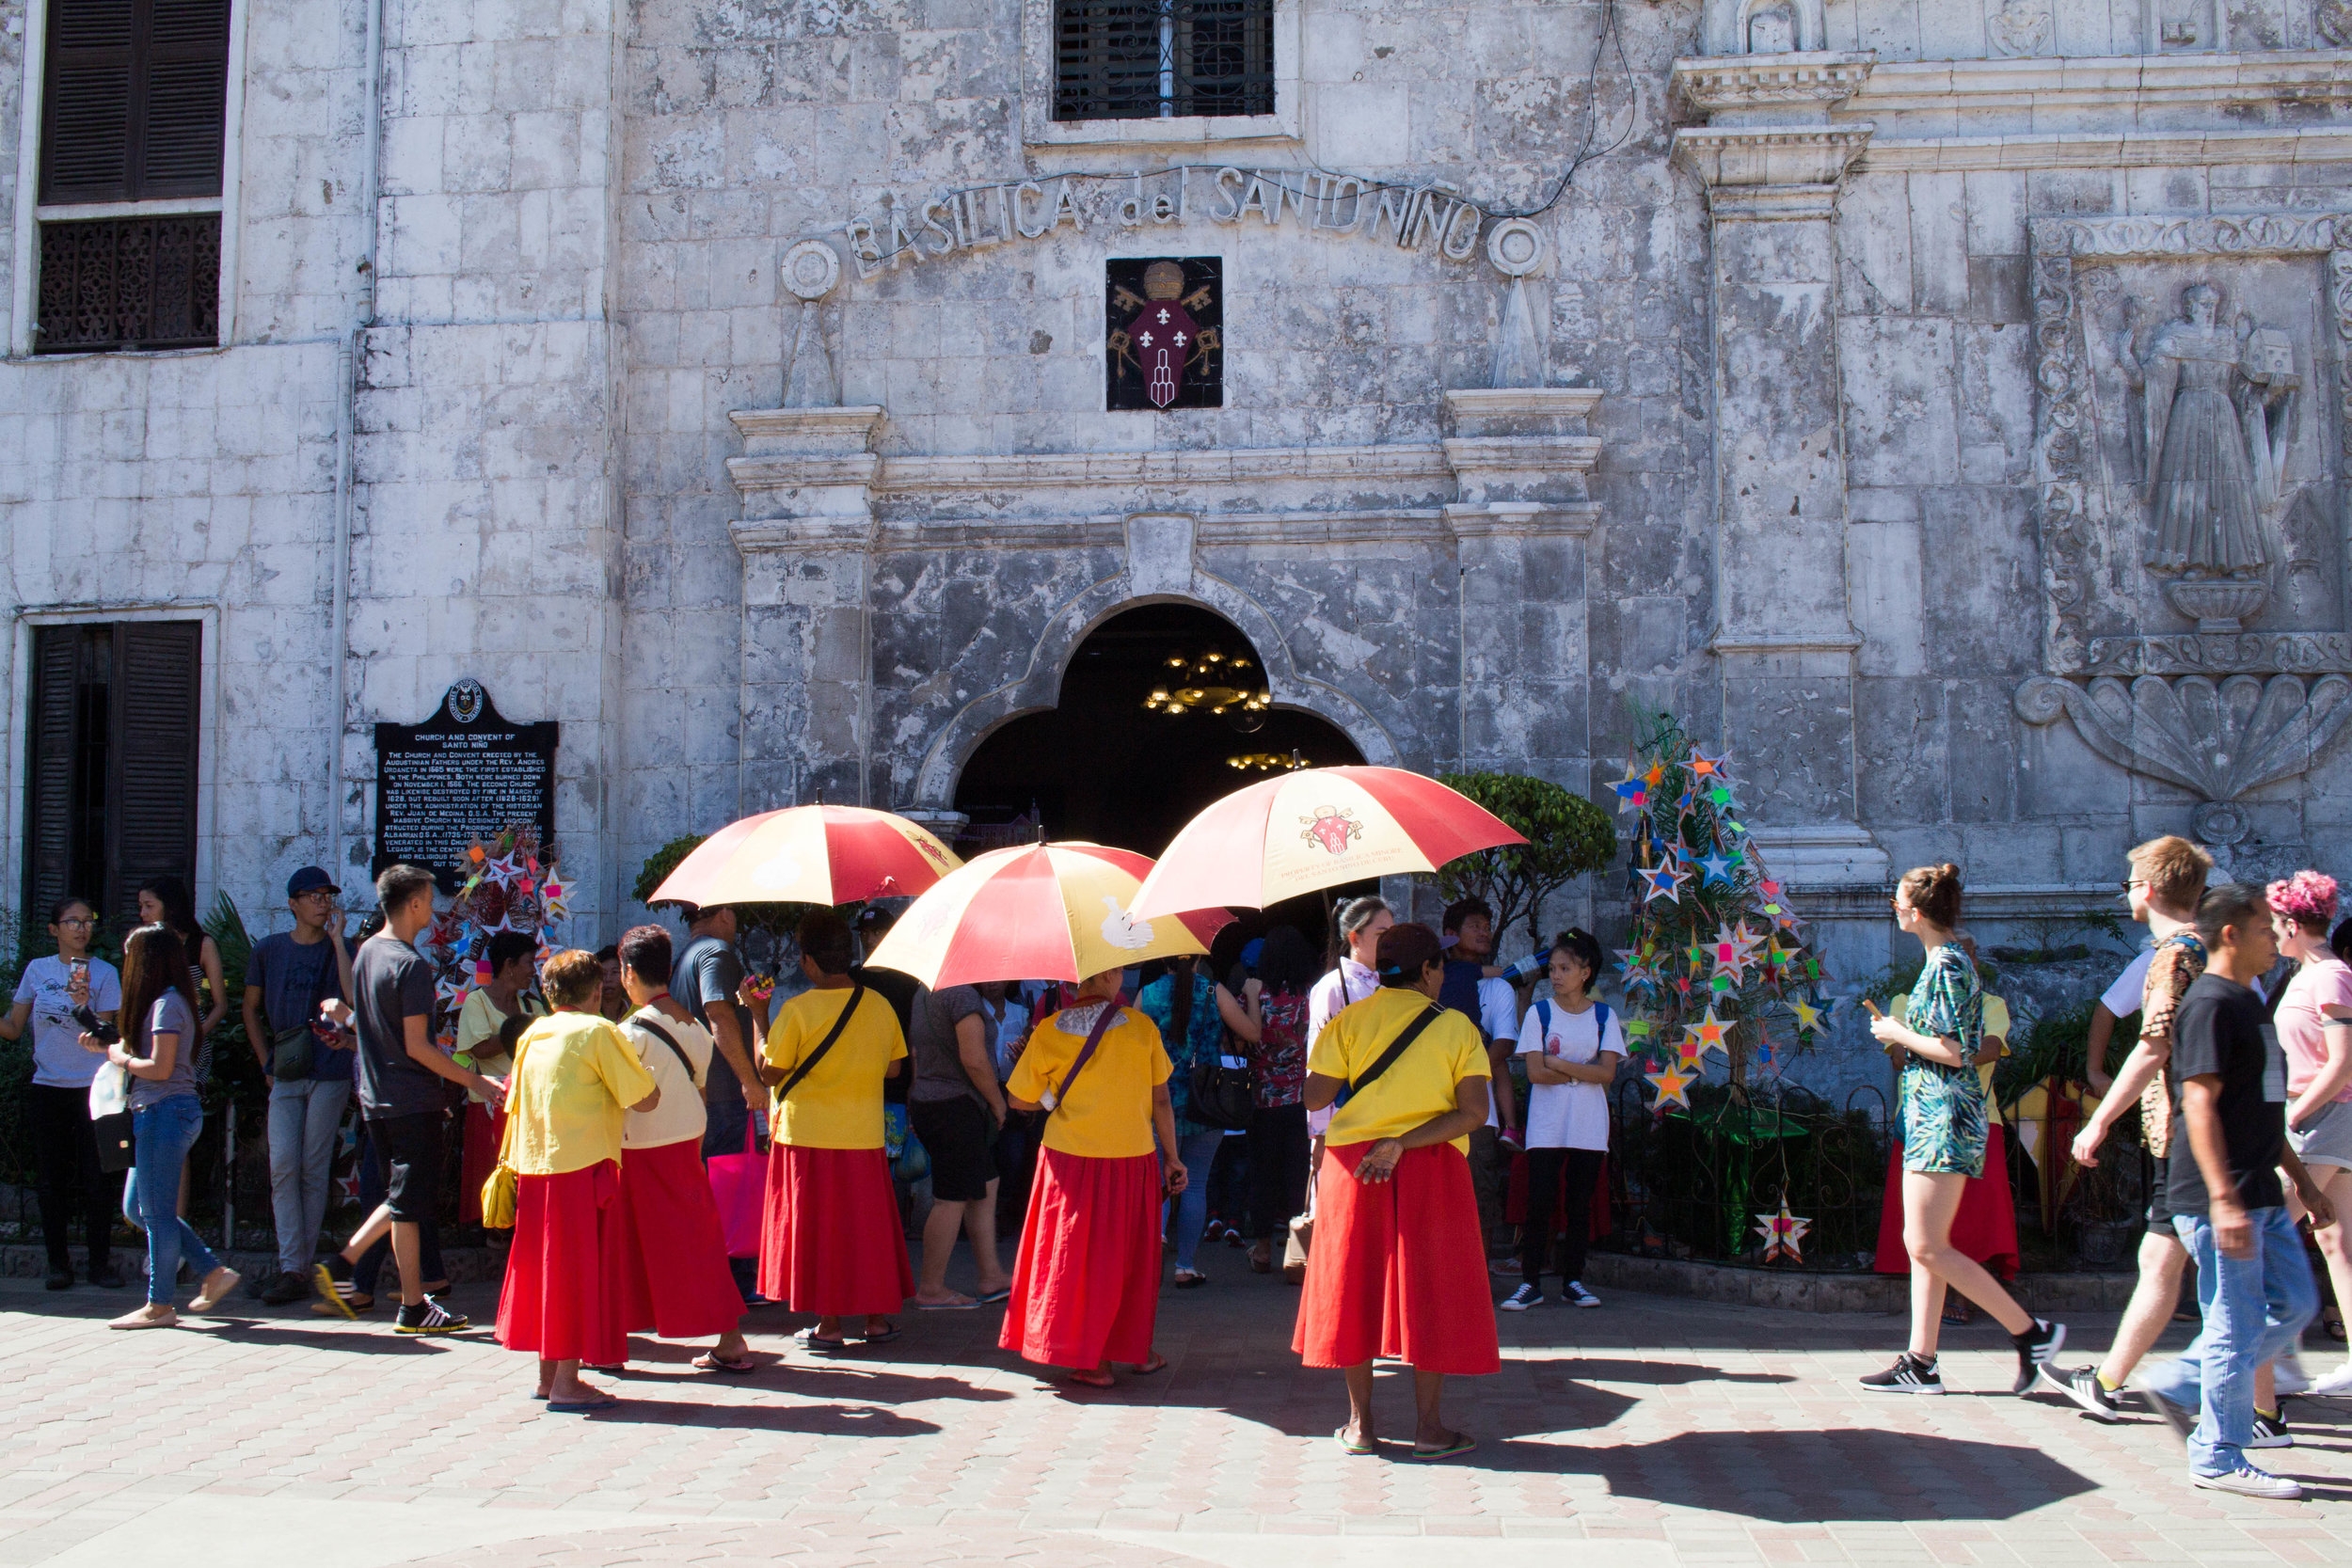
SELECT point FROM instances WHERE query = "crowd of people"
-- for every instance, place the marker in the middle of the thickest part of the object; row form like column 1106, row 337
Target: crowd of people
column 668, row 1140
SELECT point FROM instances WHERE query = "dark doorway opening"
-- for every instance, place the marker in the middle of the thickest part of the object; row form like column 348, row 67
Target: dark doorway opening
column 1102, row 765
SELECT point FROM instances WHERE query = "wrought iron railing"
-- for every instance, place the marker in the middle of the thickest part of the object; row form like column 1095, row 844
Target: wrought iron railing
column 1146, row 59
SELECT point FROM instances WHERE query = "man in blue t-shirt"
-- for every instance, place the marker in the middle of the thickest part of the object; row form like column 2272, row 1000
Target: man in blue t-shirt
column 307, row 1063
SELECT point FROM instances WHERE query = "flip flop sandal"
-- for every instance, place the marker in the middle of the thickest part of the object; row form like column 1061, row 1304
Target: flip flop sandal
column 1462, row 1444
column 883, row 1339
column 1087, row 1379
column 1348, row 1446
column 994, row 1296
column 710, row 1362
column 1158, row 1364
column 821, row 1344
column 579, row 1407
column 1189, row 1279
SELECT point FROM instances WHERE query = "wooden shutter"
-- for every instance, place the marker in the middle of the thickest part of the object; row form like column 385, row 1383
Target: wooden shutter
column 86, row 101
column 134, row 99
column 151, row 799
column 49, row 770
column 187, row 97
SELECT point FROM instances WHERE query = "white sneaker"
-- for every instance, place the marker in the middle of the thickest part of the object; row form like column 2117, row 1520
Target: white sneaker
column 1524, row 1298
column 2334, row 1384
column 1575, row 1294
column 2288, row 1375
column 2247, row 1481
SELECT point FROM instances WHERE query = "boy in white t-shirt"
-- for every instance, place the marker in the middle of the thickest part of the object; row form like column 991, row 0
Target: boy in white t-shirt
column 1572, row 1044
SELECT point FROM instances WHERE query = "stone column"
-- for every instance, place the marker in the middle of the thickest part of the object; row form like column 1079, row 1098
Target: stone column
column 1772, row 162
column 807, row 538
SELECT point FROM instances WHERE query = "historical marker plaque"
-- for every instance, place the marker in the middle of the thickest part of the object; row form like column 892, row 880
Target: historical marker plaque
column 465, row 773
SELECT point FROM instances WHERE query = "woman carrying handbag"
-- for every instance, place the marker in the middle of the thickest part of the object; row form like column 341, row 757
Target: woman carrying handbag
column 158, row 1056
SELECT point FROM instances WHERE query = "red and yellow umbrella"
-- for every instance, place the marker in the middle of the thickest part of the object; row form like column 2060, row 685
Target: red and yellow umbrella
column 1315, row 829
column 1039, row 912
column 809, row 855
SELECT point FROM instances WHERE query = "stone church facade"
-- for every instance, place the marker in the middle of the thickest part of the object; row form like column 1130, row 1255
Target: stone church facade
column 1945, row 406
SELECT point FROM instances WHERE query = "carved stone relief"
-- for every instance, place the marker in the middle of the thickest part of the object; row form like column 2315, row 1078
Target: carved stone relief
column 2190, row 435
column 2019, row 28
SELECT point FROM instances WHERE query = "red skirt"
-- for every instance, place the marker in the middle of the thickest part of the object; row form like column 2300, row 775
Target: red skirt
column 1397, row 1269
column 830, row 1239
column 1986, row 1227
column 674, row 1279
column 1085, row 1286
column 562, row 1300
column 484, row 1128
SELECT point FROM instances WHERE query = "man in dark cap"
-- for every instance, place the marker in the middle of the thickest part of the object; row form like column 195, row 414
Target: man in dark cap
column 306, row 1064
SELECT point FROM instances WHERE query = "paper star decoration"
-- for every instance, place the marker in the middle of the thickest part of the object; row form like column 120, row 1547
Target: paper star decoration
column 1709, row 1031
column 1718, row 868
column 1689, row 1055
column 1672, row 1085
column 1702, row 765
column 1734, row 950
column 1808, row 1016
column 1782, row 1234
column 1664, row 881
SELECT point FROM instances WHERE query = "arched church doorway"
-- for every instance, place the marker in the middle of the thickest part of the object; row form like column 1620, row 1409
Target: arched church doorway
column 1113, row 765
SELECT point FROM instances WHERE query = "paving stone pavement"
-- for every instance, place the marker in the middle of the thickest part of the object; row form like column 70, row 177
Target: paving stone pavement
column 1675, row 1431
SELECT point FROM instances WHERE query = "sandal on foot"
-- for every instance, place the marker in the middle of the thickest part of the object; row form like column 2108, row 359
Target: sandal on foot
column 1157, row 1363
column 823, row 1344
column 1348, row 1445
column 579, row 1407
column 883, row 1339
column 710, row 1361
column 1188, row 1279
column 1462, row 1443
column 1086, row 1377
column 953, row 1304
column 990, row 1298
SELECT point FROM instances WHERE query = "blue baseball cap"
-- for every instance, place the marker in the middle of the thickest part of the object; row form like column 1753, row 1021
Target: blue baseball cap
column 309, row 880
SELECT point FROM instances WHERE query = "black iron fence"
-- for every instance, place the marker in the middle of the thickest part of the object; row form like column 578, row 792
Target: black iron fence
column 1700, row 1183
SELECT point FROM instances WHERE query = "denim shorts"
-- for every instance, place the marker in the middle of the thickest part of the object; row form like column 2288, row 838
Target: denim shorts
column 2327, row 1138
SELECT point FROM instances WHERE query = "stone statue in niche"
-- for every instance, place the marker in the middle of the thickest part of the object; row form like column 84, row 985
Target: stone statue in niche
column 1771, row 30
column 2211, row 440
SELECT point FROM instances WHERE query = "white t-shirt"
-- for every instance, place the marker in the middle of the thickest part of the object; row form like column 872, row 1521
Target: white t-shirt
column 2123, row 998
column 59, row 1060
column 1568, row 1115
column 1498, row 1015
column 1349, row 983
column 680, row 1114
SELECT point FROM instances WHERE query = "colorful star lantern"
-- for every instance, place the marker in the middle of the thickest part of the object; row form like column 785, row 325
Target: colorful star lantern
column 505, row 885
column 1709, row 922
column 1674, row 1088
column 1782, row 1234
column 1633, row 789
column 1808, row 1017
column 1665, row 881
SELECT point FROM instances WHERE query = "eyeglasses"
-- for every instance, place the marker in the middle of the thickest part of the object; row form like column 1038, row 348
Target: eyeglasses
column 82, row 920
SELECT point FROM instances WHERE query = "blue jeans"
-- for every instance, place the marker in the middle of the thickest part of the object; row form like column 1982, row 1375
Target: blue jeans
column 165, row 1131
column 2255, row 1308
column 305, row 1116
column 1188, row 1212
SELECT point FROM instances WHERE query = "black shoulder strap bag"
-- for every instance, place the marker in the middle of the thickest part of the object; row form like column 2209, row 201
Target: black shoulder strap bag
column 809, row 1063
column 1086, row 1054
column 1387, row 1059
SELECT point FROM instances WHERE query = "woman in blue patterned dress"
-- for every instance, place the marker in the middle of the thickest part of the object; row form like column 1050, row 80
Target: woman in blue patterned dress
column 1942, row 1121
column 1193, row 1013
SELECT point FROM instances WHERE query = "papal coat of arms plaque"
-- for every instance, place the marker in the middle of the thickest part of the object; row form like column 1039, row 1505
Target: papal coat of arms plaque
column 1165, row 319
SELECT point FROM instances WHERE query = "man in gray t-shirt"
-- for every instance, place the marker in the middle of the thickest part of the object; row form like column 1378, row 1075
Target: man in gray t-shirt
column 956, row 1107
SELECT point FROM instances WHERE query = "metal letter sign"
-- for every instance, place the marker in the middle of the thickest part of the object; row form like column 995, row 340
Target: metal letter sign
column 1165, row 348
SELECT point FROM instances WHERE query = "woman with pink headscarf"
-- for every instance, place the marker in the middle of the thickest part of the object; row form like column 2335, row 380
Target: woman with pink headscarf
column 2314, row 1024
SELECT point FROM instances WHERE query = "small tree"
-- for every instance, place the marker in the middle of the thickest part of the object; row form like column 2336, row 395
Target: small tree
column 774, row 923
column 1567, row 836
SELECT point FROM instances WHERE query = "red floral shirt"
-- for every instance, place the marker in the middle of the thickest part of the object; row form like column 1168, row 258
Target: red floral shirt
column 1277, row 1063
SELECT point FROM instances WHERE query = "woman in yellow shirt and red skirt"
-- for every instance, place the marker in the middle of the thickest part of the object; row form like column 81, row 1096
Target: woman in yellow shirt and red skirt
column 573, row 1079
column 1085, row 1286
column 1397, row 1269
column 831, row 1241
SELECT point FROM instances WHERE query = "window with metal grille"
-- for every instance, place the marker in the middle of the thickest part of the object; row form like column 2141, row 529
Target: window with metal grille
column 1157, row 60
column 133, row 282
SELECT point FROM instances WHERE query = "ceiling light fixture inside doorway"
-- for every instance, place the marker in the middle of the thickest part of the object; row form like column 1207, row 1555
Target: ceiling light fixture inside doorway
column 1213, row 680
column 1267, row 761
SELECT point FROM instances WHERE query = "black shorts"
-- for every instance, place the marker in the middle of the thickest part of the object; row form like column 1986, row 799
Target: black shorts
column 407, row 1153
column 2160, row 1195
column 956, row 1134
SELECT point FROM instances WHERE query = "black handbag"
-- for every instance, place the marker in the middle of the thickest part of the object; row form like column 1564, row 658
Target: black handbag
column 1220, row 1094
column 115, row 1150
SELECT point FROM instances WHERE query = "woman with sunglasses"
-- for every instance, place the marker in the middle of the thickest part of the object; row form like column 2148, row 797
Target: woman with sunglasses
column 1941, row 1109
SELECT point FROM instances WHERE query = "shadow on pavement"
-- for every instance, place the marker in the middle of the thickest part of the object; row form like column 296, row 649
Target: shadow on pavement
column 1587, row 1368
column 1788, row 1476
column 861, row 1380
column 822, row 1420
column 361, row 1338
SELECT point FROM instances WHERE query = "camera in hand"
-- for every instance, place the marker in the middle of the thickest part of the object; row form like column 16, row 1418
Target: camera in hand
column 95, row 1028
